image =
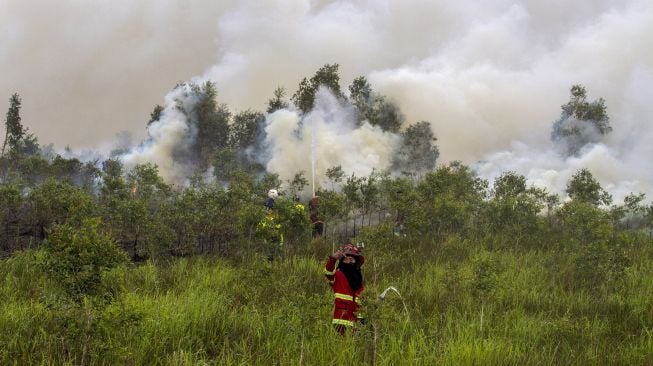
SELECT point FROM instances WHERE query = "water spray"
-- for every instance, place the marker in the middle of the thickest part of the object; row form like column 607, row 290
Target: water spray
column 385, row 292
column 313, row 157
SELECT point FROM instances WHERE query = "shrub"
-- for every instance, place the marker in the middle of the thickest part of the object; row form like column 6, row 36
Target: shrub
column 77, row 258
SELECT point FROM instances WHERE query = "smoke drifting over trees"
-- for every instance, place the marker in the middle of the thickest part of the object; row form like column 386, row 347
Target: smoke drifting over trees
column 581, row 123
column 488, row 77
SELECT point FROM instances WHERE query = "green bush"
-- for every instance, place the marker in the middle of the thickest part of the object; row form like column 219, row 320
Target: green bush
column 76, row 258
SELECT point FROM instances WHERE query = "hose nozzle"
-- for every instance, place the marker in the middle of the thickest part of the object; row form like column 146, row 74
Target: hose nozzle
column 385, row 292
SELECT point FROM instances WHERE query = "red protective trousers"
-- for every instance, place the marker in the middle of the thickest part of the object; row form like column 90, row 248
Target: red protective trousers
column 347, row 301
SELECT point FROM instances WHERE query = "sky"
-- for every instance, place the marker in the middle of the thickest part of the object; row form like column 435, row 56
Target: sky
column 489, row 76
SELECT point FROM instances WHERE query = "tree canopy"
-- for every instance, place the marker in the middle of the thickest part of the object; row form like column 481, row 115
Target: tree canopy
column 581, row 122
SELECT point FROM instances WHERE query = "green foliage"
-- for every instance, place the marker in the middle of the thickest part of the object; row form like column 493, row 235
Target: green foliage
column 335, row 175
column 581, row 122
column 583, row 187
column 277, row 102
column 225, row 164
column 135, row 208
column 247, row 311
column 155, row 115
column 33, row 169
column 632, row 214
column 360, row 91
column 378, row 236
column 297, row 184
column 266, row 182
column 146, row 181
column 374, row 108
column 484, row 275
column 113, row 181
column 509, row 184
column 76, row 258
column 56, row 202
column 327, row 76
column 451, row 194
column 397, row 193
column 30, row 145
column 554, row 286
column 294, row 220
column 598, row 257
column 584, row 223
column 369, row 193
column 10, row 202
column 513, row 212
column 245, row 129
column 333, row 206
column 581, row 109
column 209, row 121
column 14, row 131
column 418, row 152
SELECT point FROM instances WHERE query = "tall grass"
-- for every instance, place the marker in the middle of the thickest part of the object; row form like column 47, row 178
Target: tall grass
column 247, row 311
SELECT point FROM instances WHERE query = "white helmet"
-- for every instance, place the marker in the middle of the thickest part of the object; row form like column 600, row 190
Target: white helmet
column 273, row 193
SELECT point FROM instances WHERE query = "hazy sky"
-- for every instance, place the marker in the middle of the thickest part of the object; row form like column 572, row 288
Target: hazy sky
column 490, row 76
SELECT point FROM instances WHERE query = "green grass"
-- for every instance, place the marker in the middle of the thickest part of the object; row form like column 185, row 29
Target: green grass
column 246, row 311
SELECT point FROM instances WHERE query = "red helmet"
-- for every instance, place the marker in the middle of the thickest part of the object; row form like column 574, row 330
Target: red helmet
column 349, row 249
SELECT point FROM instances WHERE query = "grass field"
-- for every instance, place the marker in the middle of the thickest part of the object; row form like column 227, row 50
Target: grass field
column 460, row 303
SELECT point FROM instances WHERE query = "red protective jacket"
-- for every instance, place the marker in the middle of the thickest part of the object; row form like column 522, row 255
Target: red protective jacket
column 347, row 301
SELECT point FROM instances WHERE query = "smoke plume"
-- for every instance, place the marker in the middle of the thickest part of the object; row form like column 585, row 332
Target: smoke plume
column 489, row 76
column 326, row 137
column 173, row 134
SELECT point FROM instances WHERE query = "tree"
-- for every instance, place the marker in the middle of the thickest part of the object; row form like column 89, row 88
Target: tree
column 33, row 169
column 225, row 163
column 208, row 124
column 369, row 195
column 10, row 202
column 353, row 197
column 327, row 76
column 452, row 195
column 385, row 114
column 632, row 214
column 55, row 202
column 584, row 188
column 132, row 209
column 514, row 209
column 297, row 184
column 246, row 128
column 333, row 207
column 360, row 92
column 155, row 115
column 509, row 184
column 335, row 175
column 417, row 152
column 373, row 107
column 77, row 257
column 245, row 141
column 145, row 181
column 112, row 178
column 597, row 254
column 399, row 195
column 277, row 102
column 14, row 131
column 212, row 124
column 580, row 123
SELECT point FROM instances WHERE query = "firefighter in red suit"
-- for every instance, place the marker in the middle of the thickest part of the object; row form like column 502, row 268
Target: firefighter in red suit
column 343, row 271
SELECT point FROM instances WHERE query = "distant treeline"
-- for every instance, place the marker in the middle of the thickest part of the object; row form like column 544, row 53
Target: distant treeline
column 150, row 218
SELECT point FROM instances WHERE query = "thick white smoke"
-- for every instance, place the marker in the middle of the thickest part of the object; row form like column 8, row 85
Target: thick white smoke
column 490, row 76
column 172, row 134
column 326, row 137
